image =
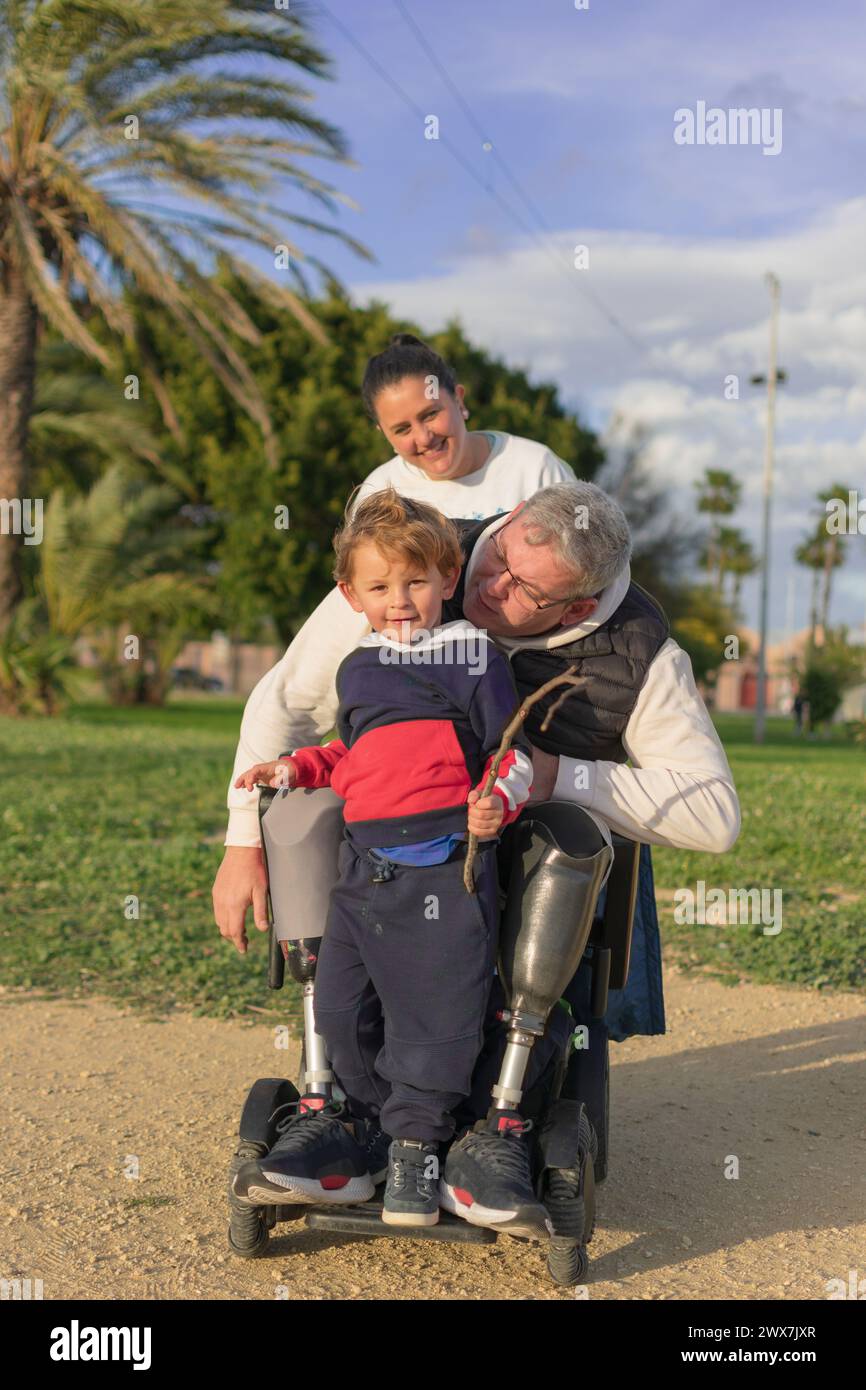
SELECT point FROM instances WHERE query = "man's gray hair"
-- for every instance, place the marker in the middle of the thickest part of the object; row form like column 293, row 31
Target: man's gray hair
column 586, row 528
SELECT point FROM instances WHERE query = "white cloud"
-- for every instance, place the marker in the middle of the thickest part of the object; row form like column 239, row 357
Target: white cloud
column 699, row 308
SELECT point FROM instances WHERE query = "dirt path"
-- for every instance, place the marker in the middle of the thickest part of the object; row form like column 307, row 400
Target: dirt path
column 776, row 1077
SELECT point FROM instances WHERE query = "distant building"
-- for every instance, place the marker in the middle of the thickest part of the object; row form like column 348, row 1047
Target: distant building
column 239, row 665
column 737, row 681
column 853, row 704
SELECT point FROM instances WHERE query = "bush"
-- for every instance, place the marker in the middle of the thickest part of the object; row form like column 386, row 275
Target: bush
column 37, row 667
column 822, row 690
column 855, row 730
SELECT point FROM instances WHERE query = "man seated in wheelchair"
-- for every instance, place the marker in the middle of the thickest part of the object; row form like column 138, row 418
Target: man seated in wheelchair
column 422, row 708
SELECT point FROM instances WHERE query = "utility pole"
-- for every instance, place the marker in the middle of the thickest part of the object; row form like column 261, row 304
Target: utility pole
column 772, row 378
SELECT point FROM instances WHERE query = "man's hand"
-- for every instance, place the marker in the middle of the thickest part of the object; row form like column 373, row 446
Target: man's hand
column 240, row 881
column 545, row 770
column 485, row 814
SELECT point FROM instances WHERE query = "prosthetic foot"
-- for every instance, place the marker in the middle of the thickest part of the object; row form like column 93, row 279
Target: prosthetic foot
column 561, row 860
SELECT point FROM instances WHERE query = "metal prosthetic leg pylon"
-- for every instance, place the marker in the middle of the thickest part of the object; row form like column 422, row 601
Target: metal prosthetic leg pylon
column 317, row 1078
column 301, row 835
column 560, row 862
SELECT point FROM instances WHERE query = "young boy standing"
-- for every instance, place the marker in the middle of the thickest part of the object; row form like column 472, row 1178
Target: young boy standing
column 422, row 710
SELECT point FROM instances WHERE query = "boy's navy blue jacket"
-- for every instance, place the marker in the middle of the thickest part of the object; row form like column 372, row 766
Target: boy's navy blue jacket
column 418, row 727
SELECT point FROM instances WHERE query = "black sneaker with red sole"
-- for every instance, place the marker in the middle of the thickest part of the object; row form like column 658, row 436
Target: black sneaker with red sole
column 316, row 1160
column 488, row 1180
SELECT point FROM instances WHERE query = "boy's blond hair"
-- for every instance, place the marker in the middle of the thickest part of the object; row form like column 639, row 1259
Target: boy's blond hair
column 398, row 527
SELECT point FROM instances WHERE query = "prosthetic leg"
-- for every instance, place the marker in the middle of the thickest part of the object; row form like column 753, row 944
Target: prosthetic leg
column 561, row 860
column 301, row 834
column 499, row 1175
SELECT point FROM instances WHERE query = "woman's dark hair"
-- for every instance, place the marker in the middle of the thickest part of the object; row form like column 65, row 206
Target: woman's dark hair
column 404, row 356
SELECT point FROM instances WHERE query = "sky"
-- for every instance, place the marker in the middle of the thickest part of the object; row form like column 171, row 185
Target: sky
column 556, row 130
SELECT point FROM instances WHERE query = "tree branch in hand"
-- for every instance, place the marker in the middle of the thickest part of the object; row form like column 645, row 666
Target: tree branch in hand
column 569, row 679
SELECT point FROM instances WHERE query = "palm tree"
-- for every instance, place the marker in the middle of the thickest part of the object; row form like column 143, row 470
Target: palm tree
column 810, row 552
column 80, row 423
column 116, row 563
column 718, row 495
column 737, row 558
column 834, row 552
column 96, row 104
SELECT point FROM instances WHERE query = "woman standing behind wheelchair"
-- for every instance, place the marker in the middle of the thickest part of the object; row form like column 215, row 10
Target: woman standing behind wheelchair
column 414, row 398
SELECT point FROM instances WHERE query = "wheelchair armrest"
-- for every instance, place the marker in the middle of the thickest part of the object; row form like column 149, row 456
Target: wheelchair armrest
column 614, row 931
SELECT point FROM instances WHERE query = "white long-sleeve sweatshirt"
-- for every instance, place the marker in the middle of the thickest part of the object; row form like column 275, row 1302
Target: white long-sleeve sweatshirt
column 678, row 790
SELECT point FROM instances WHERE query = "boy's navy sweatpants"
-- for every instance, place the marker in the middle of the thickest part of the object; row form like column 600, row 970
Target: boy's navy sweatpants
column 427, row 948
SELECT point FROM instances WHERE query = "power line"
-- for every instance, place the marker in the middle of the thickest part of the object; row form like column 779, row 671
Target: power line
column 456, row 154
column 613, row 320
column 421, row 115
column 596, row 298
column 468, row 113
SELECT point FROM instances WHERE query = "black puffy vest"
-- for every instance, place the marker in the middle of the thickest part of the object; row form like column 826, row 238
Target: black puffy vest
column 612, row 662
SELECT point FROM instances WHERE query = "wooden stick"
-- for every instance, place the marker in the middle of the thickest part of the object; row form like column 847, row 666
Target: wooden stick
column 567, row 678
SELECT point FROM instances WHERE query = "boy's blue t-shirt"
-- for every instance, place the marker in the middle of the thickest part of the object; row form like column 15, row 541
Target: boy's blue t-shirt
column 427, row 852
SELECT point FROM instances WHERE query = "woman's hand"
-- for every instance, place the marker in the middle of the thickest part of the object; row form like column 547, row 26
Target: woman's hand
column 281, row 773
column 240, row 883
column 485, row 814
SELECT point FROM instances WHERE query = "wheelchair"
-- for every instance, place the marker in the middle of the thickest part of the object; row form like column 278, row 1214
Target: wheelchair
column 554, row 863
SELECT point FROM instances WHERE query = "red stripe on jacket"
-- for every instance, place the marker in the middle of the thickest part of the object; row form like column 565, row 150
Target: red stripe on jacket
column 407, row 768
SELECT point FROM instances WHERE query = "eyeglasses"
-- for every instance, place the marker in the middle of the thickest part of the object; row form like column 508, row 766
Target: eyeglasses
column 521, row 593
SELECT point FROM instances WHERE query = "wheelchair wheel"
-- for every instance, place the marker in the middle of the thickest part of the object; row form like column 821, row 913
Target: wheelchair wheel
column 603, row 1130
column 569, row 1196
column 567, row 1262
column 249, row 1227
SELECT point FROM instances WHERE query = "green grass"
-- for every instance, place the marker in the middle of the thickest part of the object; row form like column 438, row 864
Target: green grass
column 803, row 832
column 108, row 803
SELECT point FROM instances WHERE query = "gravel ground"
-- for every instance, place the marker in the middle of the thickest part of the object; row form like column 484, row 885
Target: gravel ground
column 773, row 1076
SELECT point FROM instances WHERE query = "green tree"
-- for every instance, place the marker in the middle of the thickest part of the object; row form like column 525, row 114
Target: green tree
column 118, row 563
column 718, row 495
column 810, row 553
column 81, row 425
column 737, row 559
column 702, row 624
column 101, row 103
column 270, row 575
column 827, row 671
column 823, row 551
column 38, row 668
column 834, row 551
column 821, row 689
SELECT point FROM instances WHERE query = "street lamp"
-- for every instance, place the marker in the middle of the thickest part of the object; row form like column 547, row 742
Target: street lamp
column 773, row 378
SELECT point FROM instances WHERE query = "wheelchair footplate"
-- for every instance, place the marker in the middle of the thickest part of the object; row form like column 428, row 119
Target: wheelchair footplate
column 366, row 1220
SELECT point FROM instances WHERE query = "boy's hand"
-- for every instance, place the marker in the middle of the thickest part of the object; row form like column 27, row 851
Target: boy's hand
column 485, row 814
column 278, row 774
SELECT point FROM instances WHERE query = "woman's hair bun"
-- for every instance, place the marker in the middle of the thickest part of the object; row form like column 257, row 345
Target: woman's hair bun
column 404, row 356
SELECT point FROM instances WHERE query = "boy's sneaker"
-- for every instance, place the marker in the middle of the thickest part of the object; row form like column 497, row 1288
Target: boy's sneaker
column 488, row 1179
column 412, row 1189
column 315, row 1160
